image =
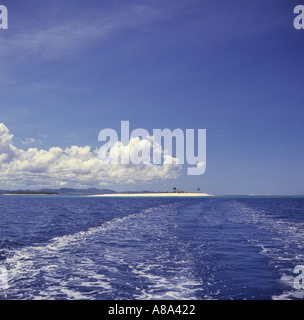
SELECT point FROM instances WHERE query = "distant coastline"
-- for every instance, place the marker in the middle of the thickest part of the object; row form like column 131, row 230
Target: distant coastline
column 94, row 192
column 27, row 193
column 54, row 192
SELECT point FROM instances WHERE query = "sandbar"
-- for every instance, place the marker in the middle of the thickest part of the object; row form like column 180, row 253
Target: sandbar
column 156, row 194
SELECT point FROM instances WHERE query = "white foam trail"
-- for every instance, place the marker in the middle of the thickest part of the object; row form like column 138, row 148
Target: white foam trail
column 285, row 244
column 163, row 288
column 69, row 266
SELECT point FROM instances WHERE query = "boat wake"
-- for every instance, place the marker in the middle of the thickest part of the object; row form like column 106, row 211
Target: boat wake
column 125, row 258
column 279, row 240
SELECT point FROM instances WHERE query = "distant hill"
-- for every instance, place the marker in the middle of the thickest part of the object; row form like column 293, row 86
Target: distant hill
column 31, row 192
column 89, row 191
column 61, row 191
column 70, row 191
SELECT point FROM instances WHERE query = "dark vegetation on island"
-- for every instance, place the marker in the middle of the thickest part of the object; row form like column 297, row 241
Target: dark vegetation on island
column 79, row 192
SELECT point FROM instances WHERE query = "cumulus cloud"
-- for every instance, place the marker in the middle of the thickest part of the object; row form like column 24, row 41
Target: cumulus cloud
column 7, row 150
column 138, row 151
column 72, row 166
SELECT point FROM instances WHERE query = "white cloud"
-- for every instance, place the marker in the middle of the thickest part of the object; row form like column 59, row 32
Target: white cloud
column 7, row 150
column 28, row 141
column 73, row 166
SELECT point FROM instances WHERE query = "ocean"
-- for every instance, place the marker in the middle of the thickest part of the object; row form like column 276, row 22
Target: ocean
column 219, row 248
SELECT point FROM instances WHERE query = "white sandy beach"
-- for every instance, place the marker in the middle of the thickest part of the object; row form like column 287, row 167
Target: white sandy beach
column 158, row 194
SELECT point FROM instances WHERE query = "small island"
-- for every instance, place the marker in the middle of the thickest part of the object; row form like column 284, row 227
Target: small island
column 93, row 192
column 155, row 194
column 175, row 193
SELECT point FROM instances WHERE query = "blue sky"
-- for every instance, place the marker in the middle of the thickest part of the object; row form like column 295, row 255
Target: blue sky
column 69, row 69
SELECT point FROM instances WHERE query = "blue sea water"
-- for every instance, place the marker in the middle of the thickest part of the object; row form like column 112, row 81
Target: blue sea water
column 57, row 247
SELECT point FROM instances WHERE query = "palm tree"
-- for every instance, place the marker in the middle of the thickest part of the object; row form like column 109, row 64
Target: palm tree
column 198, row 189
column 174, row 188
